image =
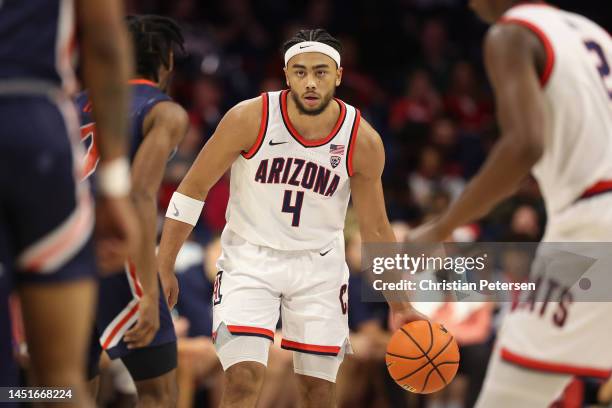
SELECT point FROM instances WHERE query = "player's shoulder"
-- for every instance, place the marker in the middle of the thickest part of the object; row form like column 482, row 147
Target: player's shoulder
column 246, row 113
column 506, row 42
column 168, row 112
column 367, row 138
column 369, row 153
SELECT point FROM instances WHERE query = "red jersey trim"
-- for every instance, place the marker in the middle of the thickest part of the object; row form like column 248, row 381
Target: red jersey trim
column 310, row 348
column 598, row 188
column 142, row 82
column 262, row 128
column 548, row 48
column 251, row 331
column 539, row 365
column 353, row 142
column 305, row 142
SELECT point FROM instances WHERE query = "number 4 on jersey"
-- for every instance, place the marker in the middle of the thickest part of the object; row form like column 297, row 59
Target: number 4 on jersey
column 295, row 209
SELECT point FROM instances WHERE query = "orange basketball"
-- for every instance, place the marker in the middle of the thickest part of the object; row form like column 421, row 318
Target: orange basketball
column 422, row 357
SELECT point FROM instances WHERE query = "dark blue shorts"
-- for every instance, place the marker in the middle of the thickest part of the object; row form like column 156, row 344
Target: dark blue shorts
column 118, row 312
column 46, row 216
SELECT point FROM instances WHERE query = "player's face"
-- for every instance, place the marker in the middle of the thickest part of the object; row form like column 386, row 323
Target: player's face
column 312, row 78
column 487, row 10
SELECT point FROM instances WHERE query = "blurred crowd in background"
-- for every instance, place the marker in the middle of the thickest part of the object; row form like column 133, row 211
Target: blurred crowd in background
column 414, row 68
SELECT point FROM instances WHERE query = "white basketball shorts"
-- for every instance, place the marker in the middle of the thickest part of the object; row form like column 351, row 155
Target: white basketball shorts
column 569, row 332
column 307, row 289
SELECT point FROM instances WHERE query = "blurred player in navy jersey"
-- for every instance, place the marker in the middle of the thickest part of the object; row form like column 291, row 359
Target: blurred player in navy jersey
column 46, row 216
column 133, row 320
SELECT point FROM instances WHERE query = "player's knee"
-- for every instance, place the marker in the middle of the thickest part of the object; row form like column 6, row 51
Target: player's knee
column 244, row 379
column 63, row 376
column 157, row 397
column 316, row 392
column 157, row 393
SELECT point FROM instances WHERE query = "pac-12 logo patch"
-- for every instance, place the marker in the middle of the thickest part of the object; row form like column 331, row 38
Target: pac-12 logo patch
column 334, row 161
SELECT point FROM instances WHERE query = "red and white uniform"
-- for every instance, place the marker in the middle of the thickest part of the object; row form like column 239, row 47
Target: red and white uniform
column 283, row 246
column 287, row 192
column 569, row 334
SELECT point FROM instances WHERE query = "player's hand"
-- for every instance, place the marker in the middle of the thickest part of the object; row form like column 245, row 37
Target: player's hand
column 147, row 325
column 116, row 232
column 402, row 313
column 431, row 232
column 170, row 288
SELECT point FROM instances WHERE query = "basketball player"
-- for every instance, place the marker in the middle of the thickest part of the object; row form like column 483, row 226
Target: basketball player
column 550, row 74
column 133, row 320
column 296, row 157
column 46, row 216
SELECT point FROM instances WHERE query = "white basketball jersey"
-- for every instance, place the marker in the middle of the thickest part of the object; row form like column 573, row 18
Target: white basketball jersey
column 578, row 86
column 287, row 192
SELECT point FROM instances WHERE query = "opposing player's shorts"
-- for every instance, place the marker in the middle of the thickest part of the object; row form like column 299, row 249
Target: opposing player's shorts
column 570, row 333
column 46, row 215
column 117, row 312
column 307, row 289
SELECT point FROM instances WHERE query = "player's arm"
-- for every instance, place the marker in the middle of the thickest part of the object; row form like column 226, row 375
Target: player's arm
column 107, row 64
column 164, row 127
column 511, row 58
column 369, row 204
column 236, row 133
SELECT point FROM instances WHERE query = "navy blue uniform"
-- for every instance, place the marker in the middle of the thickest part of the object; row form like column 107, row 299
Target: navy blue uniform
column 119, row 293
column 46, row 216
column 36, row 41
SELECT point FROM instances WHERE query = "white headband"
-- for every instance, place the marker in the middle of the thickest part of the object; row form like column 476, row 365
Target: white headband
column 312, row 46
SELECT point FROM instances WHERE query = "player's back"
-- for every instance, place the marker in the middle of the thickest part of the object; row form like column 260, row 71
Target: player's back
column 36, row 43
column 577, row 155
column 144, row 96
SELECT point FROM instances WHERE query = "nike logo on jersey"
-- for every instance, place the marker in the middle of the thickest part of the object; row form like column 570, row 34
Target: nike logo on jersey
column 326, row 252
column 304, row 46
column 298, row 173
column 176, row 211
column 273, row 143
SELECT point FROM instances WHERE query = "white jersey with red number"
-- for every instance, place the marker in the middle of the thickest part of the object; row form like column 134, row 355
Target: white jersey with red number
column 578, row 87
column 565, row 330
column 289, row 193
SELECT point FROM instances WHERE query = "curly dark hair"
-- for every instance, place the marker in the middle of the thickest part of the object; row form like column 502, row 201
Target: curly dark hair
column 153, row 37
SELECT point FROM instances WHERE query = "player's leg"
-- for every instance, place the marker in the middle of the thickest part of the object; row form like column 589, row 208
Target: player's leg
column 315, row 321
column 49, row 218
column 246, row 303
column 9, row 374
column 93, row 365
column 244, row 359
column 316, row 392
column 153, row 368
column 242, row 384
column 58, row 324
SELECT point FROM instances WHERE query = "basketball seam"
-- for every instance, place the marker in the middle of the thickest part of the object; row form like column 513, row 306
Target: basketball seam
column 404, row 357
column 428, row 362
column 426, row 356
